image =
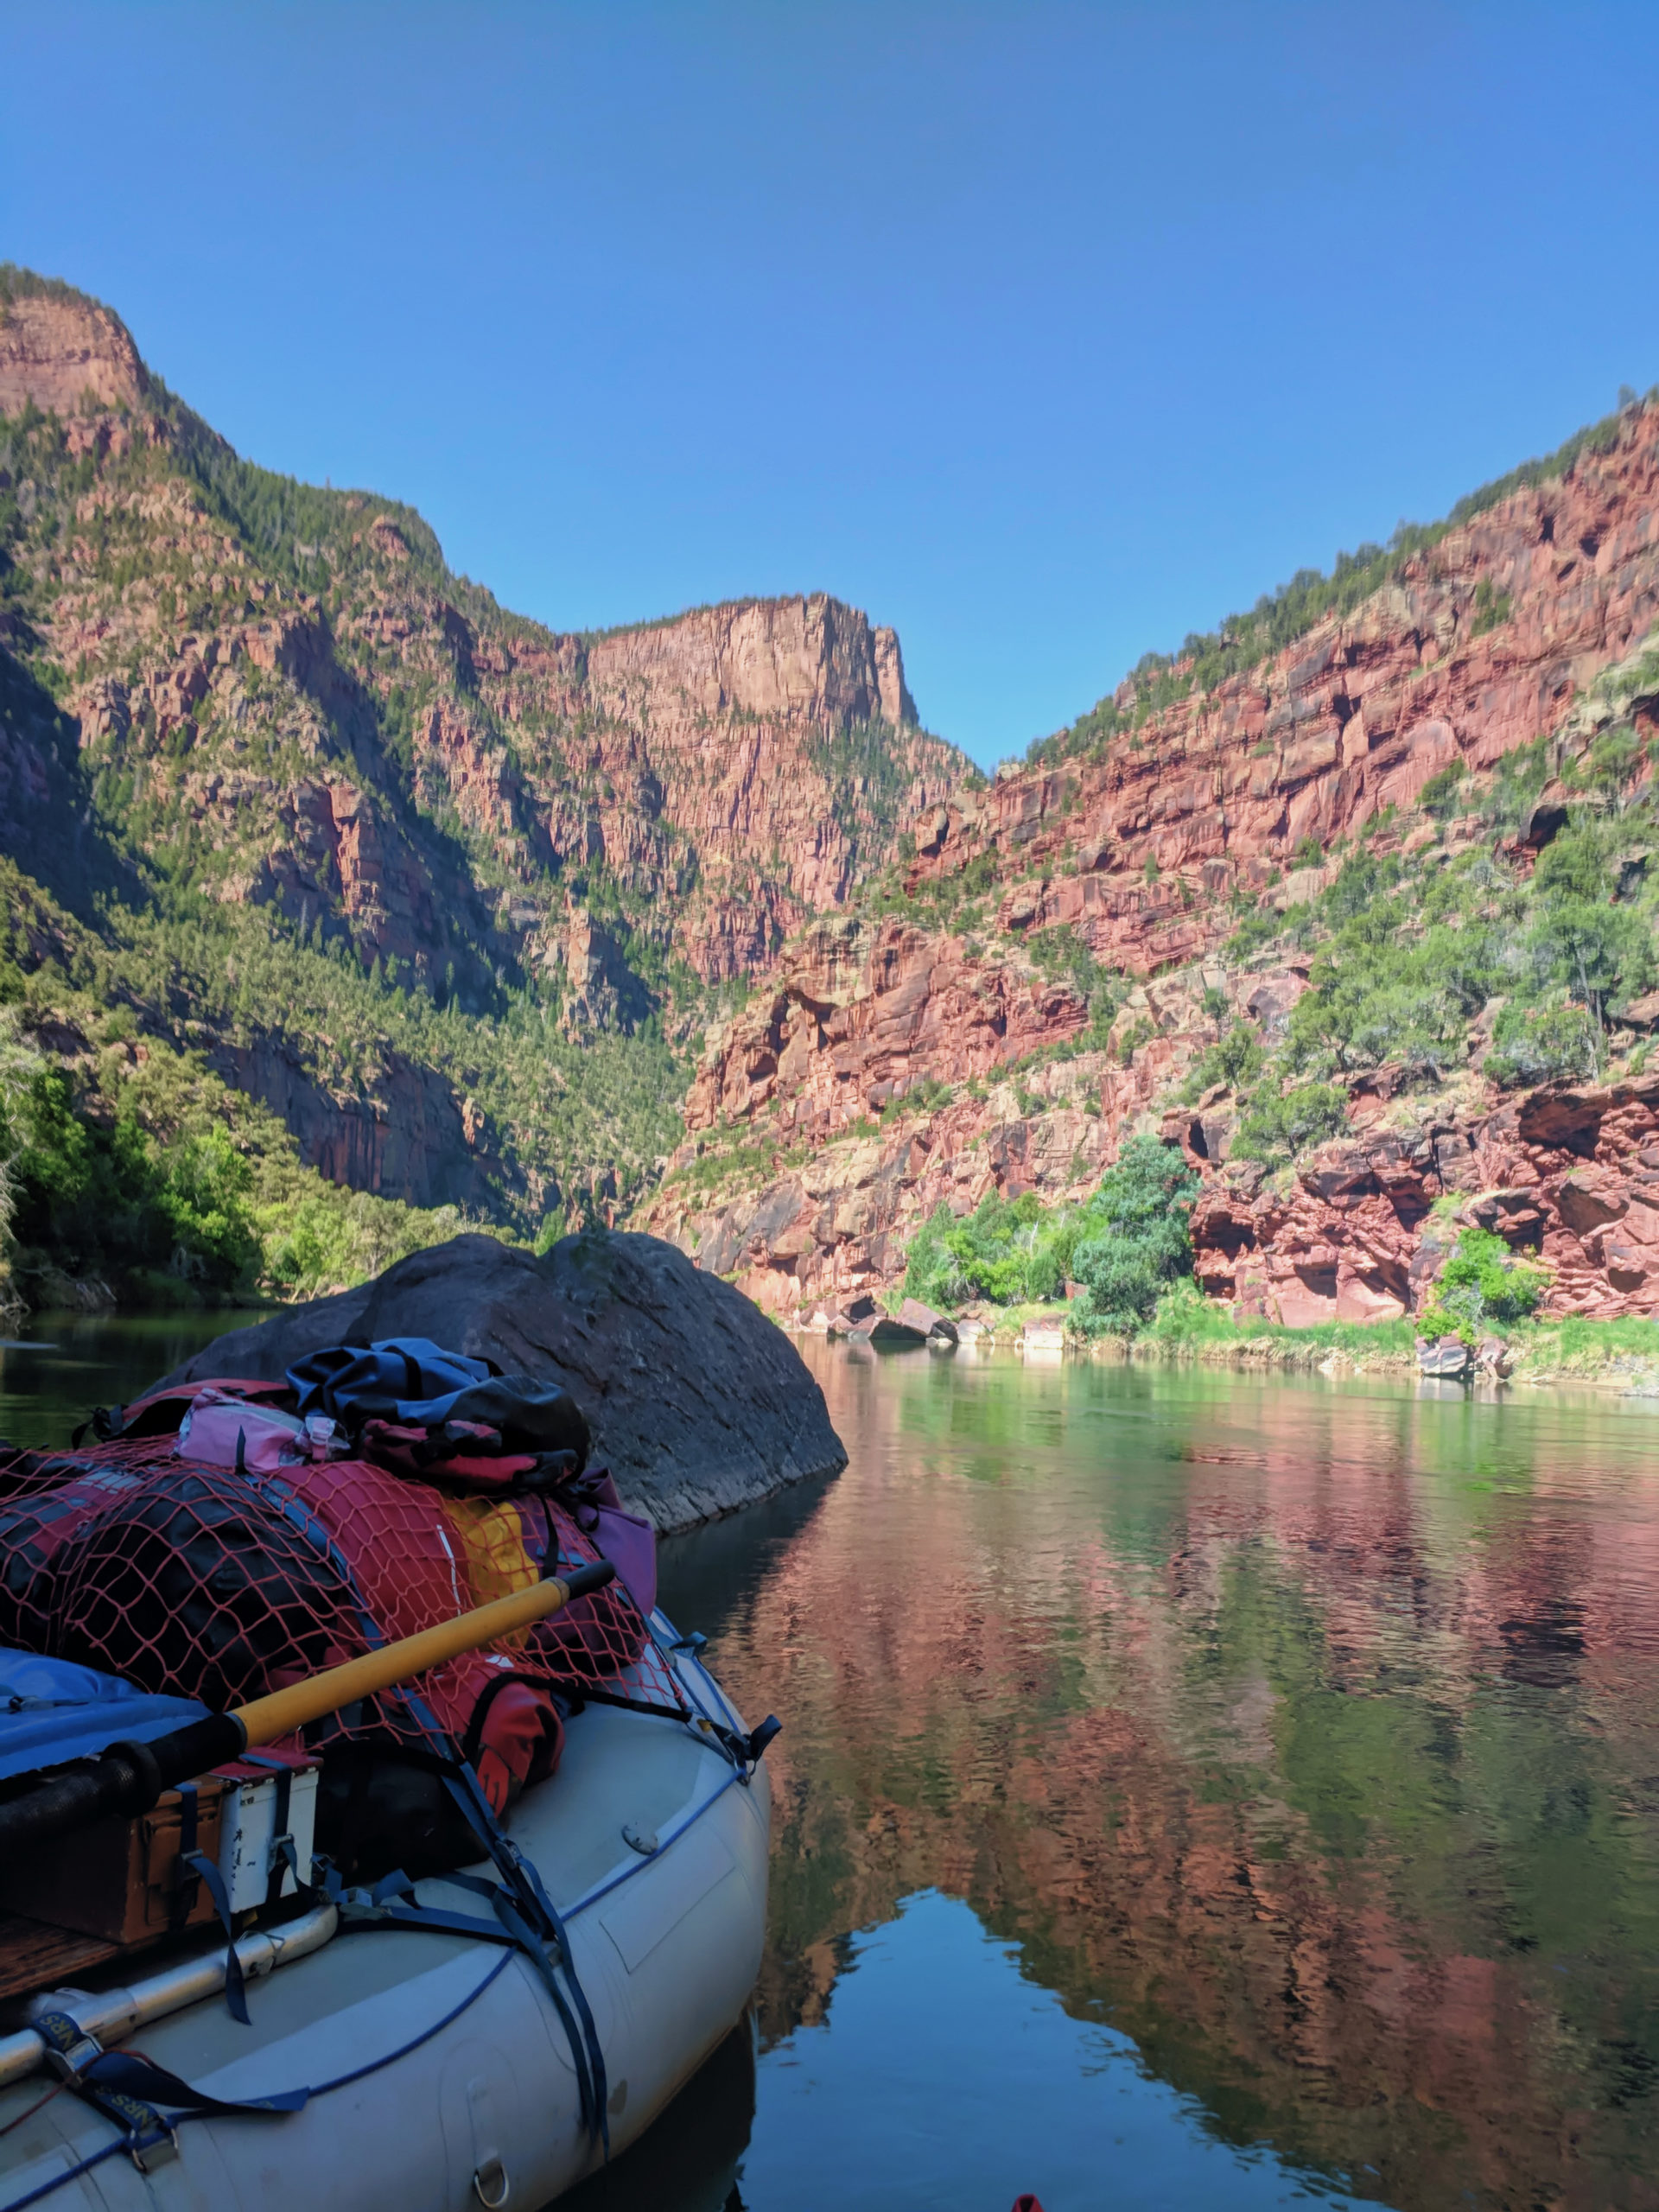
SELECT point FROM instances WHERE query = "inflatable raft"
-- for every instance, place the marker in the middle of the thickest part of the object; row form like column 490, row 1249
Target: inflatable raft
column 425, row 2067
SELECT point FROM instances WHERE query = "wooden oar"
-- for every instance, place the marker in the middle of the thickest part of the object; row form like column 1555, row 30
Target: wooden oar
column 130, row 1777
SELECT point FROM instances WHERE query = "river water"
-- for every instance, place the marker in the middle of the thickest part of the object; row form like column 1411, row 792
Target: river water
column 1194, row 1789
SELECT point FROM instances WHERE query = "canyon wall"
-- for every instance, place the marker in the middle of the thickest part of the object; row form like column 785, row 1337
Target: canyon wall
column 341, row 727
column 284, row 699
column 1140, row 854
column 1481, row 645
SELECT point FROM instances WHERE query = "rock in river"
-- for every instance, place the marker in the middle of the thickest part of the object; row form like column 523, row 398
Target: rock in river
column 1445, row 1359
column 697, row 1402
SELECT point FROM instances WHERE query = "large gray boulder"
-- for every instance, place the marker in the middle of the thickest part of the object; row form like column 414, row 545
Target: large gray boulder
column 697, row 1402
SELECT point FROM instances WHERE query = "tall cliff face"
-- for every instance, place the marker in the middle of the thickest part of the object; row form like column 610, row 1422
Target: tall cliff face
column 280, row 700
column 319, row 713
column 63, row 352
column 944, row 1047
column 1479, row 645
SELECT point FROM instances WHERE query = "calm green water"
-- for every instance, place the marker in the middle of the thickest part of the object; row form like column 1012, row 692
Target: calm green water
column 1194, row 1791
column 69, row 1362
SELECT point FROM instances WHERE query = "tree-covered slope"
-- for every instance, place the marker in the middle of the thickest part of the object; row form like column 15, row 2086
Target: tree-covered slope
column 444, row 892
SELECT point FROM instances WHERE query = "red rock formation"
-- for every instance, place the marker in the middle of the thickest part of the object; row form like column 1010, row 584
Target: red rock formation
column 1569, row 1176
column 66, row 354
column 390, row 754
column 1138, row 848
column 397, row 754
column 732, row 769
column 1217, row 790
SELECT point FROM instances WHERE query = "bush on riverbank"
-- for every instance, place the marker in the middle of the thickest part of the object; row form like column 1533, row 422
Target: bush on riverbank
column 1137, row 1242
column 1481, row 1288
column 1124, row 1246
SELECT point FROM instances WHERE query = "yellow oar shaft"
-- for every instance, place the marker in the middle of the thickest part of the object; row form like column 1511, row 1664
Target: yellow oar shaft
column 268, row 1719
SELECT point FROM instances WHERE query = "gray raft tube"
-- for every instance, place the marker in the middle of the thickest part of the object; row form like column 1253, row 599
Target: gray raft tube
column 115, row 2012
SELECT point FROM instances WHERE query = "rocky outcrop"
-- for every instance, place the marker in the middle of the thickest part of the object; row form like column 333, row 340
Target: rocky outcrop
column 832, row 1077
column 1484, row 642
column 808, row 659
column 1567, row 1176
column 745, row 762
column 400, row 1132
column 696, row 1403
column 857, row 1017
column 729, row 771
column 66, row 354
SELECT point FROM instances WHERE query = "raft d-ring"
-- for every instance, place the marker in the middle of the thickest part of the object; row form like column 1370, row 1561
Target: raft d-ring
column 491, row 2184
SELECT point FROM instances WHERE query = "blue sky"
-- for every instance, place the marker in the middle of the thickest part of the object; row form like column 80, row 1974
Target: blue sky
column 1046, row 334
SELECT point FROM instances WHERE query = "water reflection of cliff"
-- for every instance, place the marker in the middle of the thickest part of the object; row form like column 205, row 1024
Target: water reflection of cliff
column 1308, row 1735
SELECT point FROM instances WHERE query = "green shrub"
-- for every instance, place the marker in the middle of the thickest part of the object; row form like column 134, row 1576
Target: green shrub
column 1140, row 1032
column 1598, row 952
column 1133, row 1239
column 99, row 1195
column 1438, row 796
column 1277, row 1129
column 1491, row 607
column 1008, row 1253
column 1541, row 1044
column 1235, row 1059
column 1187, row 1320
column 203, row 1195
column 1481, row 1284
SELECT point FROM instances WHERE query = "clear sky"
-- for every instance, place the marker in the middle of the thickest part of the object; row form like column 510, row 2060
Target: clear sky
column 1046, row 334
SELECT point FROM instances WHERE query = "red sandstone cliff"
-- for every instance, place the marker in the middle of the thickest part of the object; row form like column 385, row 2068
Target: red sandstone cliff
column 353, row 735
column 1138, row 848
column 286, row 694
column 66, row 354
column 1354, row 717
column 730, row 770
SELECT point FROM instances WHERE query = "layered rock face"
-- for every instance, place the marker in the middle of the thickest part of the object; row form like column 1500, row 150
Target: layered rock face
column 1566, row 1175
column 284, row 697
column 66, row 354
column 1139, row 848
column 290, row 699
column 827, row 1076
column 326, row 749
column 1487, row 642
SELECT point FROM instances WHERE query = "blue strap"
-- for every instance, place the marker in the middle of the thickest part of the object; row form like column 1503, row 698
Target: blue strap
column 145, row 2128
column 128, row 2071
column 525, row 1917
column 282, row 1848
column 525, row 1908
column 235, row 1989
column 132, row 2090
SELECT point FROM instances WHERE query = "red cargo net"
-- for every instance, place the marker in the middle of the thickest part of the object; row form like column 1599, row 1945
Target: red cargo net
column 220, row 1585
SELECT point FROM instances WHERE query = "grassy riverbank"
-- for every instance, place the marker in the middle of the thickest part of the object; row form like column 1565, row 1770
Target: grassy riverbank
column 1189, row 1327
